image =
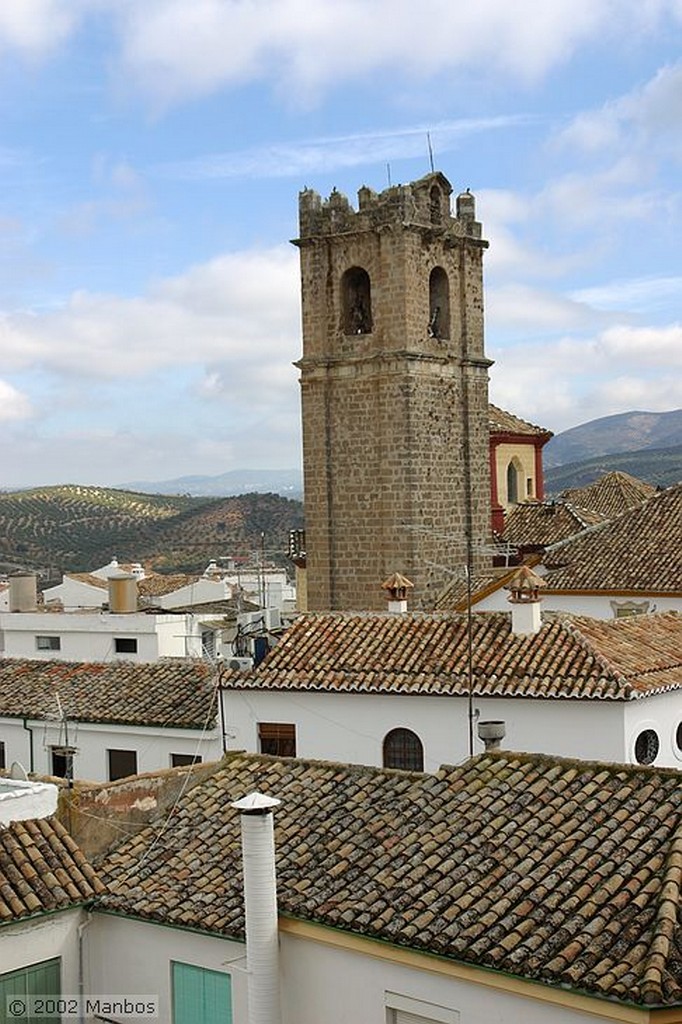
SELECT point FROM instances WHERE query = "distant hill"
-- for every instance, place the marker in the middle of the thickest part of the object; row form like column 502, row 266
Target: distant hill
column 75, row 528
column 287, row 482
column 661, row 467
column 624, row 433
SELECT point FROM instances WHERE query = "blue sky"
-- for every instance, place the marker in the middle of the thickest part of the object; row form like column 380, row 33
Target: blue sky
column 151, row 153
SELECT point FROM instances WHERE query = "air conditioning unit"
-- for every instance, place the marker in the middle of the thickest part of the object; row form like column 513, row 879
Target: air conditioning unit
column 273, row 619
column 241, row 664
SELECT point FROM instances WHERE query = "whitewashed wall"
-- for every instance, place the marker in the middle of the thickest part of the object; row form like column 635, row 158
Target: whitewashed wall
column 76, row 594
column 154, row 746
column 596, row 606
column 338, row 987
column 90, row 637
column 351, row 727
column 126, row 956
column 43, row 938
column 664, row 715
column 318, row 982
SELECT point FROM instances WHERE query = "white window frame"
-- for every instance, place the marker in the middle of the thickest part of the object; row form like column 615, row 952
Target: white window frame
column 400, row 1007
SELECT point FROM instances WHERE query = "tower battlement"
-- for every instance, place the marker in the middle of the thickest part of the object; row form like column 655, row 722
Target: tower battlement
column 424, row 203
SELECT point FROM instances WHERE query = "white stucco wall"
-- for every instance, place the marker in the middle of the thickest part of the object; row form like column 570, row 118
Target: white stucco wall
column 76, row 594
column 596, row 606
column 336, row 986
column 90, row 637
column 664, row 715
column 154, row 746
column 351, row 727
column 43, row 938
column 126, row 956
column 318, row 982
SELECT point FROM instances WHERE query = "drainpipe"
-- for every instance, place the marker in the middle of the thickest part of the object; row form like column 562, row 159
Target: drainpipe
column 260, row 896
column 29, row 730
column 81, row 967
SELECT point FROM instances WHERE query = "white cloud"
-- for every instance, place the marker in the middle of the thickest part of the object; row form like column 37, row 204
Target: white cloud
column 176, row 50
column 570, row 381
column 518, row 306
column 13, row 404
column 35, row 27
column 237, row 315
column 647, row 119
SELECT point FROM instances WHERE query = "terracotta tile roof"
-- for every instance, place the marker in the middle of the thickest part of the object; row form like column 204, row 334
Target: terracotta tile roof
column 158, row 585
column 502, row 422
column 163, row 693
column 538, row 524
column 42, row 870
column 613, row 494
column 562, row 872
column 570, row 657
column 640, row 551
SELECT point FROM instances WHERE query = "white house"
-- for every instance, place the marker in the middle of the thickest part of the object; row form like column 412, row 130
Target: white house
column 103, row 636
column 408, row 691
column 104, row 721
column 511, row 888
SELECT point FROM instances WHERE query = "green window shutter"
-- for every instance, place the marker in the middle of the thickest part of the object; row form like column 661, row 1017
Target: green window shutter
column 200, row 996
column 42, row 979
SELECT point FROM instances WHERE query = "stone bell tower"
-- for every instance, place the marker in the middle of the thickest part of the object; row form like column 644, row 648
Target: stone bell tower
column 394, row 384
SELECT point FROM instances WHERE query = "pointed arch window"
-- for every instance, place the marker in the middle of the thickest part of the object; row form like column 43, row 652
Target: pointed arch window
column 356, row 301
column 512, row 483
column 439, row 304
column 403, row 749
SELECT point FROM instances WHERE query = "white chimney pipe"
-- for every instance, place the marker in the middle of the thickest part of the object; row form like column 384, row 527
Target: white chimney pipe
column 260, row 896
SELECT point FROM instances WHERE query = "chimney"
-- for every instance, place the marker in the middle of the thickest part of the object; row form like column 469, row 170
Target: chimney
column 524, row 597
column 492, row 734
column 260, row 896
column 397, row 587
column 23, row 592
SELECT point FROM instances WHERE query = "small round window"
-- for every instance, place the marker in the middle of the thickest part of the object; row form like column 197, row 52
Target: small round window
column 646, row 746
column 678, row 736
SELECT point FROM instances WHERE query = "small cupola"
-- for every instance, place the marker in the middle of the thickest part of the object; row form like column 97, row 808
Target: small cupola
column 524, row 597
column 397, row 587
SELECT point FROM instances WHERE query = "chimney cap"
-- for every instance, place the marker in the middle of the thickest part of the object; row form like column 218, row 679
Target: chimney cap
column 256, row 803
column 524, row 585
column 397, row 586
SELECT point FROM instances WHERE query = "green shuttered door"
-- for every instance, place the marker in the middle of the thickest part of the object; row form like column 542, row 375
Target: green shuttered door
column 42, row 979
column 200, row 996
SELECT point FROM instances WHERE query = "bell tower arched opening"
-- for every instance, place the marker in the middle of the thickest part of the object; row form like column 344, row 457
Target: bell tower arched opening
column 356, row 302
column 439, row 304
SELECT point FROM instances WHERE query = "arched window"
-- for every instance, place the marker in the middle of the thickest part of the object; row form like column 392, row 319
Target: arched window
column 512, row 483
column 403, row 749
column 356, row 302
column 439, row 304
